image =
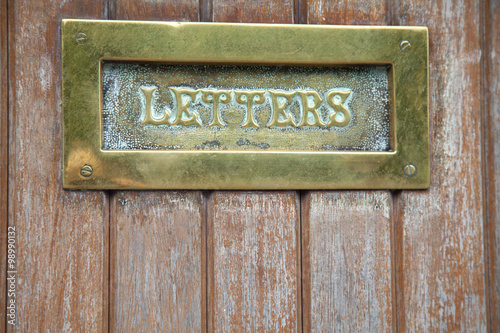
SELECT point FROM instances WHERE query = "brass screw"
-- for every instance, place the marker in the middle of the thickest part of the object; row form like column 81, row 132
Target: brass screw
column 86, row 171
column 81, row 38
column 405, row 45
column 410, row 170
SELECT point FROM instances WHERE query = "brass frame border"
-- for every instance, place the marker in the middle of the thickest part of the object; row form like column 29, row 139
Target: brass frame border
column 86, row 43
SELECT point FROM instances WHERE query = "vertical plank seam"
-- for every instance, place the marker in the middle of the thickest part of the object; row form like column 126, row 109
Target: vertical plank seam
column 111, row 10
column 206, row 15
column 107, row 303
column 201, row 10
column 210, row 264
column 206, row 196
column 393, row 261
column 305, row 255
column 389, row 12
column 302, row 253
column 485, row 97
column 299, row 253
column 298, row 19
column 296, row 12
column 205, row 10
column 398, row 323
column 112, row 261
column 395, row 220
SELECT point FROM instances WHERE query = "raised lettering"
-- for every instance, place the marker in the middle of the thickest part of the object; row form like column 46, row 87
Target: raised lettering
column 249, row 99
column 281, row 100
column 341, row 115
column 313, row 109
column 148, row 119
column 214, row 96
column 279, row 109
column 183, row 107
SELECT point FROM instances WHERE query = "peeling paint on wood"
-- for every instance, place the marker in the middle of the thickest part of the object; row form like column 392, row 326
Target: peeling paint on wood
column 155, row 10
column 256, row 11
column 60, row 234
column 254, row 262
column 345, row 12
column 157, row 273
column 347, row 262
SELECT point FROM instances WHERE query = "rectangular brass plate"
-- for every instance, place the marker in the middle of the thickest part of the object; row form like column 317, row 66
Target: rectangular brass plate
column 150, row 105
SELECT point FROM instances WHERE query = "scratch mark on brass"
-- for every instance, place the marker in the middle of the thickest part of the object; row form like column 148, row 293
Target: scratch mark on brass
column 245, row 108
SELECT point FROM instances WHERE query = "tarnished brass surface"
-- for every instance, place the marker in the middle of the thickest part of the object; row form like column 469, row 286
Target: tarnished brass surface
column 150, row 105
column 261, row 108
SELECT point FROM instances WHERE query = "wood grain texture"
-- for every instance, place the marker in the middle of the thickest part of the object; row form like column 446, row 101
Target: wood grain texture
column 491, row 125
column 257, row 11
column 254, row 241
column 60, row 234
column 346, row 246
column 443, row 253
column 158, row 267
column 356, row 12
column 254, row 262
column 347, row 277
column 155, row 10
column 4, row 151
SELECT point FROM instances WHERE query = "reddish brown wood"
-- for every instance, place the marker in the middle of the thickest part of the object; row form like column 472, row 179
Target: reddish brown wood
column 347, row 262
column 259, row 273
column 170, row 224
column 254, row 262
column 259, row 11
column 357, row 12
column 60, row 234
column 443, row 253
column 4, row 153
column 438, row 246
column 491, row 125
column 340, row 296
column 172, row 10
column 158, row 263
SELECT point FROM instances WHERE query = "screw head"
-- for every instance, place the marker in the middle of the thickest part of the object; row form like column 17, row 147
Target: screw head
column 81, row 38
column 410, row 170
column 86, row 171
column 405, row 45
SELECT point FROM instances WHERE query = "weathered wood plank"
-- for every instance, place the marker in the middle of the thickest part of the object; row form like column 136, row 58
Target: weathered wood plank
column 346, row 246
column 60, row 234
column 344, row 12
column 259, row 11
column 443, row 249
column 172, row 10
column 4, row 151
column 254, row 243
column 254, row 262
column 158, row 238
column 158, row 262
column 491, row 125
column 346, row 236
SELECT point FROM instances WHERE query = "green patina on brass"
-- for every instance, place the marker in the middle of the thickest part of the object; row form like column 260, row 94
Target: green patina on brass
column 140, row 108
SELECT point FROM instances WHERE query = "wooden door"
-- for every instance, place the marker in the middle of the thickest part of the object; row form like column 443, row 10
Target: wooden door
column 229, row 261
